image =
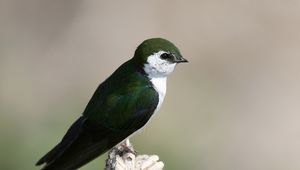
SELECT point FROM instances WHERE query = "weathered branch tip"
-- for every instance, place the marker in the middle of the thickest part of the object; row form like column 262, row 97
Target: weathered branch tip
column 123, row 157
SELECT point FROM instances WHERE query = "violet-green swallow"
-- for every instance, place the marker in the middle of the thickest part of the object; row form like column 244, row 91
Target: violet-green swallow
column 121, row 105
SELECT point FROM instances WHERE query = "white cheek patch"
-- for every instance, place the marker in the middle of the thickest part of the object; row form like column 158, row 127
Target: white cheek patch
column 157, row 67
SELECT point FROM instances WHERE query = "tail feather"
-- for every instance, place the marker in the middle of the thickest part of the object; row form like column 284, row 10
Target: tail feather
column 80, row 145
column 49, row 156
column 67, row 140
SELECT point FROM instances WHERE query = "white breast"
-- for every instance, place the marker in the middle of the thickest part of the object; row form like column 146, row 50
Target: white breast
column 160, row 85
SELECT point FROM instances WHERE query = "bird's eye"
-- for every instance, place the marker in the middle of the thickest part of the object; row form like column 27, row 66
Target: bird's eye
column 166, row 56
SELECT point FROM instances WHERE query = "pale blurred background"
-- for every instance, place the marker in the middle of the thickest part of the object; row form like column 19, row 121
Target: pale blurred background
column 235, row 106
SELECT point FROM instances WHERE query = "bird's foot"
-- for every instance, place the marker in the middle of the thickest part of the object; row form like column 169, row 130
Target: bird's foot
column 126, row 147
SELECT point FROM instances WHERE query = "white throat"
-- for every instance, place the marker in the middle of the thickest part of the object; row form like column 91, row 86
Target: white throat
column 157, row 70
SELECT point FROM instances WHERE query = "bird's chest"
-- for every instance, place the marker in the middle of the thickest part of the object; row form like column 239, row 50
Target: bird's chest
column 160, row 86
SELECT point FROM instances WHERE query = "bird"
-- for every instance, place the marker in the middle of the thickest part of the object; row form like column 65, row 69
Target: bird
column 120, row 106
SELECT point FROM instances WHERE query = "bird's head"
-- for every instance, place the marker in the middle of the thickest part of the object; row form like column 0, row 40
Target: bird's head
column 158, row 57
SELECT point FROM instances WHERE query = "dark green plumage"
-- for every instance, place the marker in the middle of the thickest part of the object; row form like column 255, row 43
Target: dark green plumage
column 121, row 105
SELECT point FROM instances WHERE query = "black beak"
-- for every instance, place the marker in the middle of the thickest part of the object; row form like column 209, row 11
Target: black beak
column 181, row 60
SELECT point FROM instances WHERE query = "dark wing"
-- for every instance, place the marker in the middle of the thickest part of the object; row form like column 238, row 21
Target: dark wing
column 126, row 98
column 110, row 117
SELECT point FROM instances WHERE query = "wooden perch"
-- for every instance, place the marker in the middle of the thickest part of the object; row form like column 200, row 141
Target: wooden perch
column 123, row 157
